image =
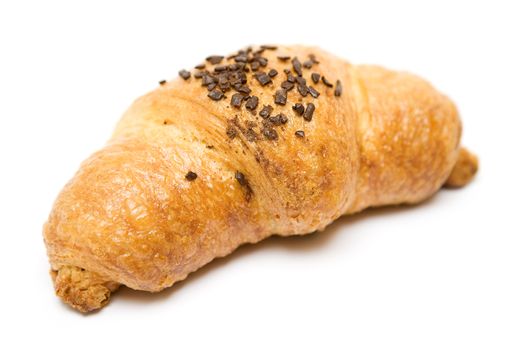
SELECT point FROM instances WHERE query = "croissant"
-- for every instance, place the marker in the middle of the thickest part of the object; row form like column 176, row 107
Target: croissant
column 268, row 141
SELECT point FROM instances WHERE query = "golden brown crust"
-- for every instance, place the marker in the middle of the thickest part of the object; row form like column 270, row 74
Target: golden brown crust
column 130, row 215
column 464, row 171
column 408, row 137
column 85, row 291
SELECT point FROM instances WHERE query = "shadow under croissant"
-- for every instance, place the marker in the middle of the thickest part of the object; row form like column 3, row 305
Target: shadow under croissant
column 309, row 243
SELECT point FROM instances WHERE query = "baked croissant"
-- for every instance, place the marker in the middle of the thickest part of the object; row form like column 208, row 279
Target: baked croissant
column 270, row 140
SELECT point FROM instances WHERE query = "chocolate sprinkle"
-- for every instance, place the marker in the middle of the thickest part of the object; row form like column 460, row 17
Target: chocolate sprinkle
column 308, row 64
column 269, row 47
column 309, row 112
column 207, row 80
column 326, row 82
column 241, row 58
column 199, row 74
column 200, row 66
column 303, row 90
column 224, row 84
column 220, row 68
column 283, row 58
column 297, row 66
column 313, row 92
column 300, row 80
column 272, row 73
column 338, row 88
column 244, row 90
column 279, row 119
column 275, row 120
column 162, row 82
column 190, row 176
column 263, row 78
column 298, row 108
column 252, row 103
column 216, row 95
column 280, row 97
column 215, row 59
column 236, row 100
column 262, row 61
column 299, row 133
column 241, row 178
column 266, row 111
column 315, row 77
column 255, row 65
column 270, row 133
column 184, row 74
column 287, row 85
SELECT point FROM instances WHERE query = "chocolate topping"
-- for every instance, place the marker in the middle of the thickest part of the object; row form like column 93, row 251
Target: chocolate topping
column 280, row 97
column 215, row 59
column 313, row 92
column 287, row 85
column 298, row 108
column 252, row 103
column 224, row 75
column 309, row 112
column 263, row 78
column 237, row 99
column 190, row 176
column 326, row 82
column 297, row 67
column 266, row 111
column 338, row 88
column 270, row 133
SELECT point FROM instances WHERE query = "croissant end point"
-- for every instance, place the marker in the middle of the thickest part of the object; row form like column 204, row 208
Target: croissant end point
column 464, row 171
column 83, row 290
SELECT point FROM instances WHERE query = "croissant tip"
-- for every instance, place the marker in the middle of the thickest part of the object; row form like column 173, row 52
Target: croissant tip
column 464, row 170
column 83, row 290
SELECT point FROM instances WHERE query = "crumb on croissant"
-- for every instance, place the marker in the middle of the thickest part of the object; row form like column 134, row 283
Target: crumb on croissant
column 84, row 290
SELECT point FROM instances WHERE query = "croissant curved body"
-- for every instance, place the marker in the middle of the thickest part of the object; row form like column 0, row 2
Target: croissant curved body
column 133, row 214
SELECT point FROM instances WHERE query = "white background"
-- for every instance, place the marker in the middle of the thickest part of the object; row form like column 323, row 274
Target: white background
column 447, row 274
